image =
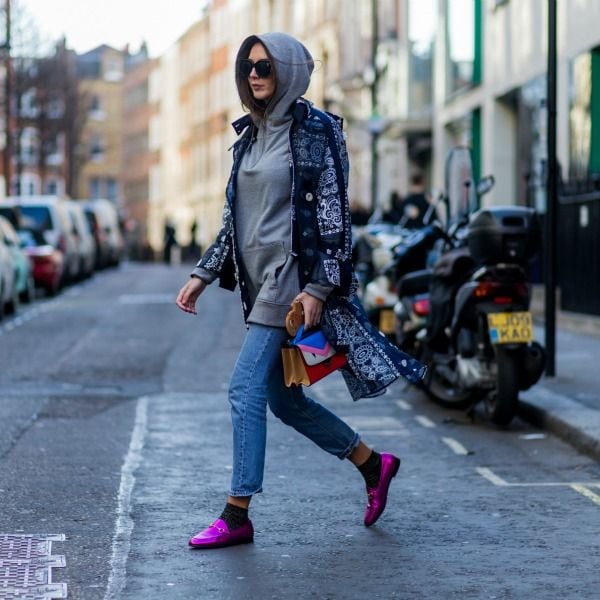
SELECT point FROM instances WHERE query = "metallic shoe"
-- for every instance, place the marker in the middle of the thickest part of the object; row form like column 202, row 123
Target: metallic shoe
column 377, row 496
column 218, row 535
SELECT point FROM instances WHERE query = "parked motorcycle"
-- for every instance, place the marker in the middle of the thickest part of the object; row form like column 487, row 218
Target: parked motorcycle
column 412, row 278
column 468, row 318
column 479, row 343
column 374, row 250
column 395, row 253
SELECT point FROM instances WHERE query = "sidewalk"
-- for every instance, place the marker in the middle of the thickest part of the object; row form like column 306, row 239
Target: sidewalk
column 568, row 405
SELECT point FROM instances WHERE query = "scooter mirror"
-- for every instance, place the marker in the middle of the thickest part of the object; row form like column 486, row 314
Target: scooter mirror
column 485, row 184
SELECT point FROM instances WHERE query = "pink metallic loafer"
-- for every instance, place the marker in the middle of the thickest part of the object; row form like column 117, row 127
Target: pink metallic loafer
column 377, row 496
column 218, row 535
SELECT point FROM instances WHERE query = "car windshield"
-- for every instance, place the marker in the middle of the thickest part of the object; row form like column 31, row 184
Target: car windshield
column 36, row 217
column 11, row 214
column 31, row 237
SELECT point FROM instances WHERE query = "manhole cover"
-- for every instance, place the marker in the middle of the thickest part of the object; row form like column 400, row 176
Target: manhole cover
column 26, row 564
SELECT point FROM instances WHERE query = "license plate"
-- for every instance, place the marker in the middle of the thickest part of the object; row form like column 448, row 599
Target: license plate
column 510, row 328
column 386, row 321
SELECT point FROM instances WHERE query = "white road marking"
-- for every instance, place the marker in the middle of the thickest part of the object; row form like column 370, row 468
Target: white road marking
column 124, row 524
column 377, row 423
column 426, row 422
column 587, row 493
column 497, row 480
column 455, row 446
column 403, row 405
column 533, row 436
column 491, row 476
column 147, row 299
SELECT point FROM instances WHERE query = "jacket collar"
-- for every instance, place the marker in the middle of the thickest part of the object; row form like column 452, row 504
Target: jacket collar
column 299, row 113
column 240, row 124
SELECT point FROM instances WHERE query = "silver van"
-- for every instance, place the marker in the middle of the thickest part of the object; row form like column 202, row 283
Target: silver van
column 86, row 245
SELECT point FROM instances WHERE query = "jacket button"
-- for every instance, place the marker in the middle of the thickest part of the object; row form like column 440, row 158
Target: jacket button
column 309, row 197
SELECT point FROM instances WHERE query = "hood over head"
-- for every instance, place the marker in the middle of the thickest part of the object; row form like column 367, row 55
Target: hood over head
column 293, row 68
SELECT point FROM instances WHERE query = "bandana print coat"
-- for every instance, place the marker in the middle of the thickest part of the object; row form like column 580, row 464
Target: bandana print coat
column 321, row 238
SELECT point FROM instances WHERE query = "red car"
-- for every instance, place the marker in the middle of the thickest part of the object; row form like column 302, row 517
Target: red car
column 47, row 261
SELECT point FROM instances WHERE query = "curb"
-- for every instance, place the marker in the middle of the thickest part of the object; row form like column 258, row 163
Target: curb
column 575, row 424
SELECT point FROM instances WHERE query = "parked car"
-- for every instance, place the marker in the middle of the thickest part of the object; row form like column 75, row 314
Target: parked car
column 9, row 296
column 24, row 272
column 86, row 245
column 104, row 220
column 47, row 261
column 50, row 216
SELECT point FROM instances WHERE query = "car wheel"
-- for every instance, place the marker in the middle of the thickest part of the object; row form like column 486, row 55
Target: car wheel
column 28, row 295
column 13, row 304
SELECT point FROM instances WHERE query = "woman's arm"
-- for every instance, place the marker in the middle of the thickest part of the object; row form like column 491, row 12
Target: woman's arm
column 212, row 263
column 189, row 293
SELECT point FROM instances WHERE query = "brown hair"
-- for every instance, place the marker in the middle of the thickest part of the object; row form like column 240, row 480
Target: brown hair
column 256, row 108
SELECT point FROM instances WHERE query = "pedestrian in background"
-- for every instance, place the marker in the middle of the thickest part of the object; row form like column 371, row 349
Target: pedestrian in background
column 416, row 204
column 287, row 210
column 395, row 210
column 169, row 242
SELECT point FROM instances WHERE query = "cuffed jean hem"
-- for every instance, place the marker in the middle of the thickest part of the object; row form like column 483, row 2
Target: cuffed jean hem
column 243, row 493
column 351, row 446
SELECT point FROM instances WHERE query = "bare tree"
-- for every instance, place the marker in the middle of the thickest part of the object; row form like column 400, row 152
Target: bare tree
column 49, row 108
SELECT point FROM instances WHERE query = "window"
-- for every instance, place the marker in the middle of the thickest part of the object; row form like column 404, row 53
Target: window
column 29, row 146
column 114, row 70
column 95, row 188
column 28, row 104
column 56, row 106
column 463, row 44
column 584, row 115
column 112, row 189
column 55, row 186
column 97, row 148
column 95, row 103
column 421, row 33
column 96, row 108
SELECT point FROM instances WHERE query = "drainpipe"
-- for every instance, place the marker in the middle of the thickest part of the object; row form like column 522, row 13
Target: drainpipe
column 7, row 155
column 552, row 200
column 374, row 102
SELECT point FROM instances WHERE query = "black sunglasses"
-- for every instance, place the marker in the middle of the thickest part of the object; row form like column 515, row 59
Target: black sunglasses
column 262, row 67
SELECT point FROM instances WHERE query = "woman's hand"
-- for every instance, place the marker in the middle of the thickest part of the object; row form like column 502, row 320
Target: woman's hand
column 313, row 307
column 186, row 299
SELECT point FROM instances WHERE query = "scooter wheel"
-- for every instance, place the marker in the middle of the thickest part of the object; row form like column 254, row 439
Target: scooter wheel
column 501, row 404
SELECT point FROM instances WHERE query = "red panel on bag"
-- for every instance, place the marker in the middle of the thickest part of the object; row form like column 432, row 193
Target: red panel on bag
column 316, row 372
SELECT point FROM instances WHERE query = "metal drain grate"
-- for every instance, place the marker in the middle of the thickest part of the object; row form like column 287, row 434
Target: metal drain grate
column 26, row 565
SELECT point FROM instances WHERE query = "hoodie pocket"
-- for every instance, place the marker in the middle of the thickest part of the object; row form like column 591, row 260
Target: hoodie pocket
column 262, row 264
column 273, row 273
column 282, row 286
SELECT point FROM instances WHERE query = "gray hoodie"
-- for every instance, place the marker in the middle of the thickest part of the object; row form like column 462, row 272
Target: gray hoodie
column 263, row 219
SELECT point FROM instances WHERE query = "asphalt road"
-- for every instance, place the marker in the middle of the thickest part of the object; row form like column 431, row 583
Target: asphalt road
column 114, row 431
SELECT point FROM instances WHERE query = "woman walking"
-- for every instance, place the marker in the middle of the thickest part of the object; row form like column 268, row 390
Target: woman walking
column 286, row 238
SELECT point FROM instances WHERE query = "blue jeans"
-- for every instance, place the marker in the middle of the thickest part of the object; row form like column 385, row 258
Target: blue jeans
column 257, row 381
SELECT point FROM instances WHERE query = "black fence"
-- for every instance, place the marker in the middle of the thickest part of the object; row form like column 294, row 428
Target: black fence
column 579, row 246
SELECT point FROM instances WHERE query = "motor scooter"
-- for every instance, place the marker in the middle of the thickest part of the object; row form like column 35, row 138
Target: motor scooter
column 468, row 318
column 479, row 343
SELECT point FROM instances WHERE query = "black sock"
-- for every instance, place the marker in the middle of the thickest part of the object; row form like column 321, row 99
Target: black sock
column 234, row 516
column 371, row 469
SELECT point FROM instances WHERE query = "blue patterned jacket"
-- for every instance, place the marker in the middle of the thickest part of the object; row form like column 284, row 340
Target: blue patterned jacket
column 321, row 239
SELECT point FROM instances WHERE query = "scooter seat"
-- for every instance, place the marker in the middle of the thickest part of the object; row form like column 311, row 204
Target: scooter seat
column 415, row 283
